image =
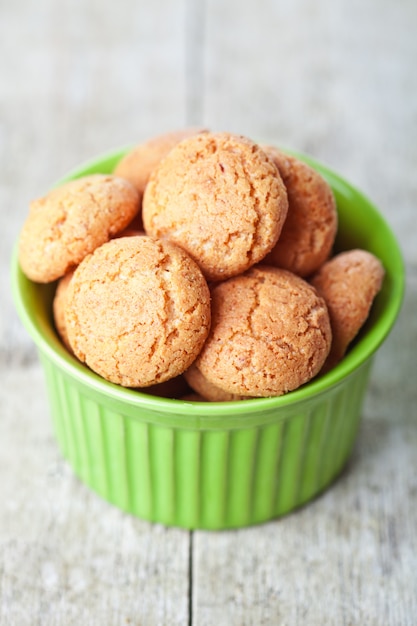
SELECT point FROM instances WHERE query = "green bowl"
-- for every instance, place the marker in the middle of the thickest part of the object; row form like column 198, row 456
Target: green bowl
column 214, row 465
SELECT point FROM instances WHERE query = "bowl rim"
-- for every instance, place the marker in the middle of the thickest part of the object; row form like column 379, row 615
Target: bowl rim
column 357, row 355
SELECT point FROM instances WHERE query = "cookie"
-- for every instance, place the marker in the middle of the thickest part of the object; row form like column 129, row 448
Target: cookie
column 58, row 308
column 207, row 390
column 138, row 311
column 270, row 333
column 137, row 165
column 219, row 197
column 308, row 235
column 348, row 283
column 71, row 221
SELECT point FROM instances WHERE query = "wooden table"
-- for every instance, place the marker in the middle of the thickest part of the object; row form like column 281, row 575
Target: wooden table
column 334, row 79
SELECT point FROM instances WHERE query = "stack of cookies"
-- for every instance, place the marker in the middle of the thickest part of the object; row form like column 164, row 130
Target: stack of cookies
column 206, row 258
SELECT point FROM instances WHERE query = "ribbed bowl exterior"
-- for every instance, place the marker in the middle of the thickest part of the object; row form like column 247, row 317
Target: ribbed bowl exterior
column 215, row 465
column 206, row 478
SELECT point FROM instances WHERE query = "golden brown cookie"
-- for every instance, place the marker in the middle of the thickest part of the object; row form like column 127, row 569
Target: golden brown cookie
column 348, row 283
column 58, row 308
column 270, row 333
column 71, row 221
column 199, row 383
column 138, row 311
column 310, row 229
column 221, row 198
column 137, row 165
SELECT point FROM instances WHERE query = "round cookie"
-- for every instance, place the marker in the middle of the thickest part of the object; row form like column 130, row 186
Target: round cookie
column 348, row 283
column 71, row 221
column 310, row 229
column 58, row 308
column 138, row 311
column 137, row 165
column 219, row 197
column 270, row 333
column 207, row 390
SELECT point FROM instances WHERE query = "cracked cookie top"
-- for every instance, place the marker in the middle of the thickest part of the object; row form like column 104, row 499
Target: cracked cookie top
column 348, row 283
column 138, row 164
column 137, row 311
column 219, row 197
column 270, row 333
column 71, row 221
column 309, row 231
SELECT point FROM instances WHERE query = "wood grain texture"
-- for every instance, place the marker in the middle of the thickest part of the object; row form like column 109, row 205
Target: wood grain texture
column 347, row 558
column 78, row 79
column 333, row 79
column 66, row 556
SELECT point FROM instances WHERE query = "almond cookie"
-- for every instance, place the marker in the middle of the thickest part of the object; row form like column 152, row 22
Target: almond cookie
column 137, row 165
column 270, row 333
column 207, row 390
column 138, row 311
column 310, row 229
column 58, row 308
column 348, row 283
column 221, row 198
column 71, row 221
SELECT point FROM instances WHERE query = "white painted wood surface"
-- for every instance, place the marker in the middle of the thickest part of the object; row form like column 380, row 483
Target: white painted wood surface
column 335, row 79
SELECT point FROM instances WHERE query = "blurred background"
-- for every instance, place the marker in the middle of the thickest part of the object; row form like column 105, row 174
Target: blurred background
column 333, row 78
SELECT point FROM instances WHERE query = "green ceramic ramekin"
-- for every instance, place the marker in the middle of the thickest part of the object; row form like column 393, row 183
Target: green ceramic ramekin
column 215, row 465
